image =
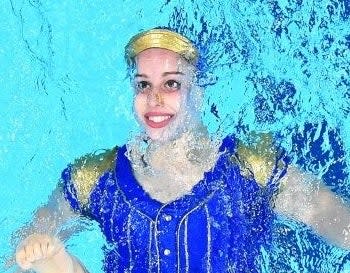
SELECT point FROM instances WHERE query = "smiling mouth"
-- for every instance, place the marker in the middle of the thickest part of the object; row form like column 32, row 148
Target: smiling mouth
column 157, row 121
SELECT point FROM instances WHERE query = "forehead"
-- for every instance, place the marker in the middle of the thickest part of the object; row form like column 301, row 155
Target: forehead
column 155, row 59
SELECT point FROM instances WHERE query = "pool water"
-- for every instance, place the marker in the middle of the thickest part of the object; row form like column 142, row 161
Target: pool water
column 278, row 66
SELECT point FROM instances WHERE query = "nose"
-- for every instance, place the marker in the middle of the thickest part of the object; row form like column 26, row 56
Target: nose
column 155, row 98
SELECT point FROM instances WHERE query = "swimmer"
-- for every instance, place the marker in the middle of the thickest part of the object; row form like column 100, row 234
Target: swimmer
column 173, row 199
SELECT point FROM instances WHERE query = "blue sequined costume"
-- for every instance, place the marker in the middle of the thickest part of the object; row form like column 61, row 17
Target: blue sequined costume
column 223, row 225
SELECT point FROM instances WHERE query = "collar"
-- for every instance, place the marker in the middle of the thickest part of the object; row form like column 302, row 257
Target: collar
column 140, row 200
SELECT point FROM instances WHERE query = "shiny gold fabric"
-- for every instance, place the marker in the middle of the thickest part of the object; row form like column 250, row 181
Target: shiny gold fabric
column 161, row 38
column 87, row 170
column 257, row 159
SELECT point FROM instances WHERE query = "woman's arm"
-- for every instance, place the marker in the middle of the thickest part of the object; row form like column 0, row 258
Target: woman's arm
column 52, row 219
column 305, row 198
column 46, row 254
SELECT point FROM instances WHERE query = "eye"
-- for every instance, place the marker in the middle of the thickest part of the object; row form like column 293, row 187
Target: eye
column 172, row 85
column 142, row 86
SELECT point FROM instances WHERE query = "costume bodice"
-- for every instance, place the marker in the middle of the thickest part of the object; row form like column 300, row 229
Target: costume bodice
column 222, row 224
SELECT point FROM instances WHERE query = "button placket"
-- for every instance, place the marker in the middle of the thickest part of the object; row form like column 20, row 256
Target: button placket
column 166, row 240
column 168, row 217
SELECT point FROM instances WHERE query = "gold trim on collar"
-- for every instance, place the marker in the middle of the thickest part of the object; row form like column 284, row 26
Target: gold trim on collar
column 161, row 38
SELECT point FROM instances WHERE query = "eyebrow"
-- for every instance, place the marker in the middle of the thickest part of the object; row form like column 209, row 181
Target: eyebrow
column 141, row 76
column 172, row 73
column 163, row 74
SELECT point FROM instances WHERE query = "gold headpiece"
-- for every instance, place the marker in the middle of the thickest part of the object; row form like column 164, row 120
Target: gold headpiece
column 161, row 38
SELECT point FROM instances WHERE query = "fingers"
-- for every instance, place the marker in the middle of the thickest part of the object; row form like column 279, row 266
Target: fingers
column 36, row 248
column 22, row 259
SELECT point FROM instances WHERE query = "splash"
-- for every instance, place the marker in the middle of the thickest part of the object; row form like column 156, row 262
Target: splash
column 271, row 66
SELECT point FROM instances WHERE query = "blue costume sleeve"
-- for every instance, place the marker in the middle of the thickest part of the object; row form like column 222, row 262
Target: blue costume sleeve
column 79, row 179
column 261, row 159
column 69, row 190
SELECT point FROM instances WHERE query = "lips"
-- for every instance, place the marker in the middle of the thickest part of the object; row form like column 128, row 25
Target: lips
column 158, row 120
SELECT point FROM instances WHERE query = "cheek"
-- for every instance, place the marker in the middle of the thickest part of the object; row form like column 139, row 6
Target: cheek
column 175, row 100
column 139, row 105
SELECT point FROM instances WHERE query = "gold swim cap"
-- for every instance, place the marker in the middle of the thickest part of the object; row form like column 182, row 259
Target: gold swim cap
column 161, row 38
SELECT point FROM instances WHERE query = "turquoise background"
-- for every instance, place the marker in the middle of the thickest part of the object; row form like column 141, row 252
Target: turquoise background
column 266, row 66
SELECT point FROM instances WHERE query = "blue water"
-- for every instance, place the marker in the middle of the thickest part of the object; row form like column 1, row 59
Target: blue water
column 279, row 66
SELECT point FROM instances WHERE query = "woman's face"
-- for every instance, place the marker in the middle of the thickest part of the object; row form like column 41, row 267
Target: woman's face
column 162, row 85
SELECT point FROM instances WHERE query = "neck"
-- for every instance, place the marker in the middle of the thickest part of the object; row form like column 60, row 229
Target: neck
column 175, row 165
column 190, row 147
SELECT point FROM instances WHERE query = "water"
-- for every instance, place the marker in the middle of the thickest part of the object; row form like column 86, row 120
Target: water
column 267, row 65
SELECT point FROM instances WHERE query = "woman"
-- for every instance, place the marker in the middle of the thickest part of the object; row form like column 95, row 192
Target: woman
column 172, row 200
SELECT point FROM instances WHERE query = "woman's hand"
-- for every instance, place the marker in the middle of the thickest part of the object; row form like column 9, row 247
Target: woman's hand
column 44, row 254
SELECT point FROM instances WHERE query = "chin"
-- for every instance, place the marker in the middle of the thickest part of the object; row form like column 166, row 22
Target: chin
column 154, row 136
column 165, row 134
column 159, row 135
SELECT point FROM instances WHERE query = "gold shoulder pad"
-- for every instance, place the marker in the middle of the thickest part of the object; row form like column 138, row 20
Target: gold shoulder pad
column 257, row 157
column 87, row 169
